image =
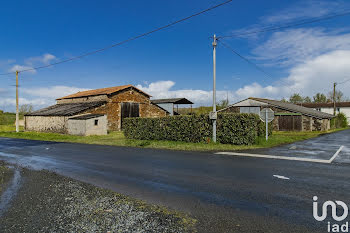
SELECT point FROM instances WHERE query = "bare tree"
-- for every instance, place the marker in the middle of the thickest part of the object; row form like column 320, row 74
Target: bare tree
column 339, row 96
column 25, row 109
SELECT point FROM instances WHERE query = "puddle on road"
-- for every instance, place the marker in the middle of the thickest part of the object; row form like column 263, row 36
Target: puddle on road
column 10, row 192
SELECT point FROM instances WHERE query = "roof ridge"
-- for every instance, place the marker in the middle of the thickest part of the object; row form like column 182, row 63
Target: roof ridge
column 101, row 91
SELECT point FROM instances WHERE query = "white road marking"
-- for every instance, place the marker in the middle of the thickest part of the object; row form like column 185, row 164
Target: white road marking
column 284, row 157
column 274, row 157
column 281, row 177
column 336, row 154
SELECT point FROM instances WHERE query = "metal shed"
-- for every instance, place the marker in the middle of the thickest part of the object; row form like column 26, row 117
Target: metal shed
column 90, row 124
column 169, row 104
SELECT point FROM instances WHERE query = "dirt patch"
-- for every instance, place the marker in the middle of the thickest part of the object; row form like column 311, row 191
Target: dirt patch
column 47, row 202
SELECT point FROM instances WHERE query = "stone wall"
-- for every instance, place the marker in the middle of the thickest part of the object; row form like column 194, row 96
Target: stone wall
column 100, row 129
column 113, row 107
column 76, row 127
column 87, row 127
column 54, row 124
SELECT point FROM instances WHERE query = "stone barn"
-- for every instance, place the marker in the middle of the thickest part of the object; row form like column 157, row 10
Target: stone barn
column 288, row 116
column 114, row 102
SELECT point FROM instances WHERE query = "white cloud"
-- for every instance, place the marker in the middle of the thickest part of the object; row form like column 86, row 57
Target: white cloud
column 305, row 9
column 31, row 62
column 38, row 97
column 296, row 12
column 20, row 68
column 11, row 102
column 44, row 59
column 315, row 75
column 162, row 89
column 52, row 92
column 300, row 45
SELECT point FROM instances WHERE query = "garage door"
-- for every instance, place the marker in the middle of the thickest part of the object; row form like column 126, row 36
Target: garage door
column 289, row 123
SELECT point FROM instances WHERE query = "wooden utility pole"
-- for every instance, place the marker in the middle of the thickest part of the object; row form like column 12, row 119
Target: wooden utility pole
column 214, row 87
column 334, row 106
column 17, row 108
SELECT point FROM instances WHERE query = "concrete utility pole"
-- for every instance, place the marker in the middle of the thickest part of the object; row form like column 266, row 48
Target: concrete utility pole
column 334, row 107
column 214, row 87
column 17, row 109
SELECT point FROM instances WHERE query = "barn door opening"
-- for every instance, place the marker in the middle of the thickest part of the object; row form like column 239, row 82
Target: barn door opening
column 290, row 123
column 130, row 110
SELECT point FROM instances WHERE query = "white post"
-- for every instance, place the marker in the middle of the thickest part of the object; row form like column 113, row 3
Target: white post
column 214, row 87
column 17, row 110
column 267, row 127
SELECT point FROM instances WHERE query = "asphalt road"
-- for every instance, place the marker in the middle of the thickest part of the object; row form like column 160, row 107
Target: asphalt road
column 225, row 193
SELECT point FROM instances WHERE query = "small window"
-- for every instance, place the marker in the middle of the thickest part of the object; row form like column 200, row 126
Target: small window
column 338, row 109
column 96, row 122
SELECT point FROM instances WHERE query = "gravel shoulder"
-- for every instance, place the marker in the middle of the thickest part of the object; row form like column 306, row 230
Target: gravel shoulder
column 5, row 176
column 47, row 202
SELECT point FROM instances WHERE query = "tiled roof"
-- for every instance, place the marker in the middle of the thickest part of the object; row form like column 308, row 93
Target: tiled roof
column 70, row 109
column 288, row 107
column 295, row 108
column 326, row 105
column 101, row 91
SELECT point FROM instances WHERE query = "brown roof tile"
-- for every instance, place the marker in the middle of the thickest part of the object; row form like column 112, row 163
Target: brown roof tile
column 101, row 91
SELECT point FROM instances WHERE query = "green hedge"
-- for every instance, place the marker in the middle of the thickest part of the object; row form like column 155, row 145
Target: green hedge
column 231, row 128
column 340, row 121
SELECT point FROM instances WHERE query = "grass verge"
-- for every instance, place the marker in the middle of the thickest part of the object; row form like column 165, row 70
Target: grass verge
column 118, row 139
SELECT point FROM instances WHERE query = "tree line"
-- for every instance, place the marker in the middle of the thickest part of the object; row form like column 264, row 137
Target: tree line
column 296, row 98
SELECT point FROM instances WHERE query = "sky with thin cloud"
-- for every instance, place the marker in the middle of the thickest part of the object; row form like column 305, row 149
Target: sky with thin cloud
column 176, row 62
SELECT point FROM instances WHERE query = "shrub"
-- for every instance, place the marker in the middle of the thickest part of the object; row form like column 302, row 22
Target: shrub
column 340, row 121
column 231, row 128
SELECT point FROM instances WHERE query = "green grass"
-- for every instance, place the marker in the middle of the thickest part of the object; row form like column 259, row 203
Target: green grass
column 8, row 118
column 118, row 139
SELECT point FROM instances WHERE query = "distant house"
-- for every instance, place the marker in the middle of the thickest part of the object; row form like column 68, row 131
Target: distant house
column 288, row 117
column 116, row 103
column 343, row 107
column 169, row 104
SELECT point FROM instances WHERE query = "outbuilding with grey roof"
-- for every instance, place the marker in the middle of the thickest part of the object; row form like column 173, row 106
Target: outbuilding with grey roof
column 288, row 116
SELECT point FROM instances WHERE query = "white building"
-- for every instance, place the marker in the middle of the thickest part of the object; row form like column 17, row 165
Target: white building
column 343, row 107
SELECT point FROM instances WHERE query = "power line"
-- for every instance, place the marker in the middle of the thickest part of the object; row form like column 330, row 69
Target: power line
column 289, row 25
column 344, row 81
column 246, row 59
column 253, row 64
column 125, row 41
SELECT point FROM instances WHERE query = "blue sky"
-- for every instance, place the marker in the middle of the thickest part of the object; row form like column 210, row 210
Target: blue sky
column 176, row 62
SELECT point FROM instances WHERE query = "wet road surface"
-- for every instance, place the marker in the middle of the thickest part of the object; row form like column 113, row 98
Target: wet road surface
column 323, row 147
column 225, row 193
